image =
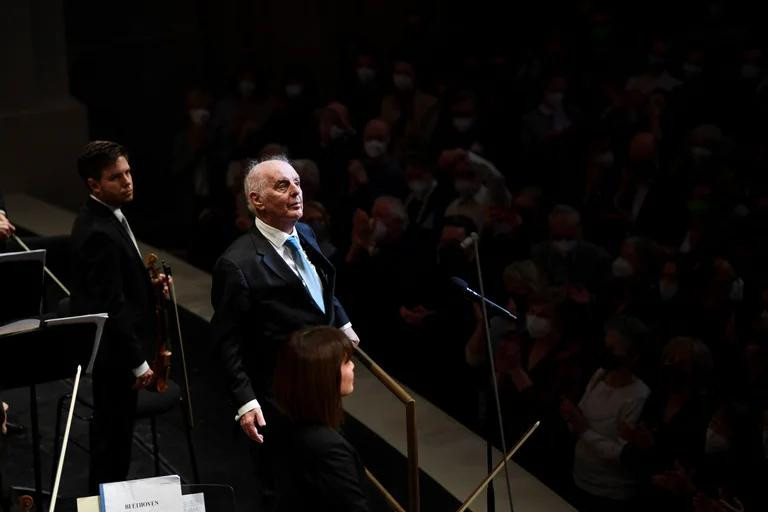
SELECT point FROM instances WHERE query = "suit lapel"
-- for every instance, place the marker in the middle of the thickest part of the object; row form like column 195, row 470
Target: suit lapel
column 109, row 217
column 271, row 259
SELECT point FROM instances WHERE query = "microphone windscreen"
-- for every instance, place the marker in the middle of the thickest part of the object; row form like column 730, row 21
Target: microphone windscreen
column 459, row 283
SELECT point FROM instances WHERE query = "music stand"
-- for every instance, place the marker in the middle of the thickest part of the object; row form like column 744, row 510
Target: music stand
column 65, row 343
column 21, row 273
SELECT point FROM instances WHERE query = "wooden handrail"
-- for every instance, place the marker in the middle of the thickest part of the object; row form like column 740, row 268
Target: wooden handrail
column 498, row 467
column 412, row 440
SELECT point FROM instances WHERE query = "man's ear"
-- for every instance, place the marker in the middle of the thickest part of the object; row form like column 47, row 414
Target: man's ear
column 255, row 200
column 93, row 185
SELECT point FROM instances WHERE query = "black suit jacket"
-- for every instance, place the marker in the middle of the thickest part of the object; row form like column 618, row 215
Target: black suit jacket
column 109, row 276
column 258, row 303
column 319, row 470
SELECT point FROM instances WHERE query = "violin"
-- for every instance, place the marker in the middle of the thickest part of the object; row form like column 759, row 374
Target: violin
column 161, row 364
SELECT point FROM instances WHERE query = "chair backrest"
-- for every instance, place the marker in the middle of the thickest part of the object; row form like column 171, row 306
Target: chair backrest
column 218, row 497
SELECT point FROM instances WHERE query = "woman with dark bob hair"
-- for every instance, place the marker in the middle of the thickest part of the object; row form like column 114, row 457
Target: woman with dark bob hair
column 318, row 469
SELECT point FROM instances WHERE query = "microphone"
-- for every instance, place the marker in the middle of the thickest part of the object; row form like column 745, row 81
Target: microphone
column 472, row 294
column 467, row 242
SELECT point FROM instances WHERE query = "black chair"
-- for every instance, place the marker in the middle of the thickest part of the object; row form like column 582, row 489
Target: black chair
column 218, row 497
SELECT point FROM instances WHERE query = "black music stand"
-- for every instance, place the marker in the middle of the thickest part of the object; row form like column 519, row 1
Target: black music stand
column 64, row 343
column 21, row 273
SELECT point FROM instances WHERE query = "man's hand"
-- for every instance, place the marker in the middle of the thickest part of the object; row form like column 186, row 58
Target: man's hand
column 250, row 420
column 144, row 380
column 6, row 228
column 350, row 333
column 163, row 282
column 4, row 418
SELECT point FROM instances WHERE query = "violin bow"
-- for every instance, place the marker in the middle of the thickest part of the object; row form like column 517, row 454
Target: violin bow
column 172, row 288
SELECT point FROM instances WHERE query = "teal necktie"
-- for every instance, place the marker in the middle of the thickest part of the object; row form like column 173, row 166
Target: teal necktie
column 311, row 279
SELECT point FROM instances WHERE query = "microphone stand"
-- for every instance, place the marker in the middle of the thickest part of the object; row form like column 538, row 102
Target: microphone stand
column 491, row 499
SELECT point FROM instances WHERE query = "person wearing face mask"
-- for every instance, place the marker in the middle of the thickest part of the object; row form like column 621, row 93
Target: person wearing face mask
column 536, row 364
column 614, row 396
column 385, row 176
column 549, row 119
column 566, row 258
column 410, row 111
column 478, row 183
column 461, row 125
column 427, row 198
column 672, row 428
column 243, row 114
column 198, row 170
column 382, row 270
column 362, row 87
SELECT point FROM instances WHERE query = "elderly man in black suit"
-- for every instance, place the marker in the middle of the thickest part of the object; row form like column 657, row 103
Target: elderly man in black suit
column 269, row 283
column 109, row 276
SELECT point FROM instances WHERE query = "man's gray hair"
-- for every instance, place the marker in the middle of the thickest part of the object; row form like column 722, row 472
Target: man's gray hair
column 253, row 182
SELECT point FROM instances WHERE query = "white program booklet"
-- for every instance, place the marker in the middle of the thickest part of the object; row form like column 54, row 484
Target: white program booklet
column 158, row 494
column 194, row 502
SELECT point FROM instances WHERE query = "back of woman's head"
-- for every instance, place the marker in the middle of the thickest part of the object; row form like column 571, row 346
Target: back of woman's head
column 308, row 375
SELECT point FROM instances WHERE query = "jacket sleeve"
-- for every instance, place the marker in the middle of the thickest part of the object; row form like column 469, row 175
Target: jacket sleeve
column 231, row 303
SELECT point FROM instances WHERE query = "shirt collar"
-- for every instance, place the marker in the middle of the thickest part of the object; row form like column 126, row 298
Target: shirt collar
column 113, row 209
column 275, row 236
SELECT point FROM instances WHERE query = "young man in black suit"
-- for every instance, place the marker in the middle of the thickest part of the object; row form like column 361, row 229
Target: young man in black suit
column 109, row 276
column 269, row 283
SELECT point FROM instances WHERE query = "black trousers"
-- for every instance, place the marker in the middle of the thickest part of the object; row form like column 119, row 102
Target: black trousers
column 114, row 408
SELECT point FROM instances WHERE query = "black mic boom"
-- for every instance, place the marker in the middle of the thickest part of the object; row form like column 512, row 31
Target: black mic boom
column 472, row 294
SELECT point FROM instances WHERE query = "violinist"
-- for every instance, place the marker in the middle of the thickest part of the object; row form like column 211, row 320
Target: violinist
column 109, row 276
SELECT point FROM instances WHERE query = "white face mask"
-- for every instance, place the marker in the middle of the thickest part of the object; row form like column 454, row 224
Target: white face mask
column 402, row 82
column 716, row 443
column 375, row 148
column 604, row 159
column 555, row 100
column 667, row 290
column 465, row 188
column 199, row 116
column 463, row 124
column 246, row 88
column 293, row 90
column 737, row 290
column 335, row 132
column 700, row 153
column 365, row 75
column 691, row 70
column 537, row 326
column 418, row 187
column 564, row 246
column 621, row 268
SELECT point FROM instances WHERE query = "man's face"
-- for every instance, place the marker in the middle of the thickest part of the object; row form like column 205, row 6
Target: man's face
column 280, row 203
column 115, row 185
